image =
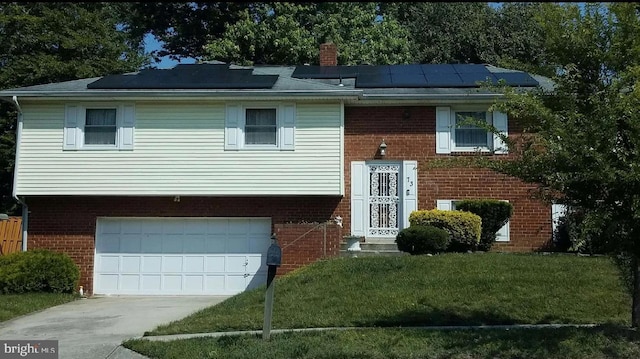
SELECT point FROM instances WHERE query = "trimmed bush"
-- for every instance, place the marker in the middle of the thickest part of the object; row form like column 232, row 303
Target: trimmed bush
column 38, row 271
column 422, row 240
column 463, row 227
column 494, row 214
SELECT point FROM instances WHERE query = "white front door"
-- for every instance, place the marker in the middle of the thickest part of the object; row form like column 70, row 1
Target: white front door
column 383, row 200
column 383, row 194
column 180, row 256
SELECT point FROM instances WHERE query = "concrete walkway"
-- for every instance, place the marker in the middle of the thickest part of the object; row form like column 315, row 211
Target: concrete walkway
column 166, row 338
column 95, row 327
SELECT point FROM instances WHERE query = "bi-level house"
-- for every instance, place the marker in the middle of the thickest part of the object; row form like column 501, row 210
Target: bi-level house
column 174, row 181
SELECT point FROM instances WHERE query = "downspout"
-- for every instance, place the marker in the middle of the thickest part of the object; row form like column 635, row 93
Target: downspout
column 25, row 208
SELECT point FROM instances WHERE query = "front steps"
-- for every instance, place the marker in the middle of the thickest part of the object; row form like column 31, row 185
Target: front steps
column 377, row 248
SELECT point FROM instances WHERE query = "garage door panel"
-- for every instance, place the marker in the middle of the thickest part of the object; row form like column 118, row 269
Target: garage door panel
column 216, row 244
column 172, row 243
column 108, row 263
column 175, row 256
column 215, row 264
column 238, row 244
column 151, row 283
column 131, row 227
column 130, row 264
column 194, row 283
column 172, row 283
column 149, row 244
column 130, row 243
column 151, row 264
column 194, row 264
column 109, row 243
column 130, row 282
column 194, row 244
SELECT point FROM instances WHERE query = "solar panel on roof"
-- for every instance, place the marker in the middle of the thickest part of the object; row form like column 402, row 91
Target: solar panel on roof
column 470, row 79
column 191, row 76
column 408, row 80
column 470, row 68
column 441, row 79
column 438, row 68
column 374, row 80
column 410, row 69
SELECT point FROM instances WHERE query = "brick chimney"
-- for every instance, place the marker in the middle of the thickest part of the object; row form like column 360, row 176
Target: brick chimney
column 328, row 54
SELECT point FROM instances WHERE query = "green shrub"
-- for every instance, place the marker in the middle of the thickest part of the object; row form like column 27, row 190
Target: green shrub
column 38, row 271
column 463, row 227
column 422, row 240
column 494, row 214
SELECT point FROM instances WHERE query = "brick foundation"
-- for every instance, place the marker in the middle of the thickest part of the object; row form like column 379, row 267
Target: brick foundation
column 68, row 224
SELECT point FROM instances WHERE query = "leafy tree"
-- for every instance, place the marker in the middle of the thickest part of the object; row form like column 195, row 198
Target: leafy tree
column 581, row 144
column 290, row 33
column 184, row 27
column 447, row 32
column 49, row 42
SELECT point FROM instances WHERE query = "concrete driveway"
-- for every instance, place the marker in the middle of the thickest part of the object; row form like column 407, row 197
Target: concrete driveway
column 95, row 327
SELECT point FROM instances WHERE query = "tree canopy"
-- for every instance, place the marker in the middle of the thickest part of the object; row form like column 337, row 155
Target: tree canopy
column 581, row 145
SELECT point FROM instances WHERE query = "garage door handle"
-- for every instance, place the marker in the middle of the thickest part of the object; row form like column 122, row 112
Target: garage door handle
column 246, row 262
column 246, row 275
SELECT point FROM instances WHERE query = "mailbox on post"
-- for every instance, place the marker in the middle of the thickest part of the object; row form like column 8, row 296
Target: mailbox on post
column 274, row 255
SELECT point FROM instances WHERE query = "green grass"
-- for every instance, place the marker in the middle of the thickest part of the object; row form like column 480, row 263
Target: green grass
column 15, row 305
column 604, row 342
column 453, row 289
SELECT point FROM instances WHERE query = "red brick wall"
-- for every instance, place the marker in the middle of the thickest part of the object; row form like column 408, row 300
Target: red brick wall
column 328, row 54
column 68, row 224
column 409, row 133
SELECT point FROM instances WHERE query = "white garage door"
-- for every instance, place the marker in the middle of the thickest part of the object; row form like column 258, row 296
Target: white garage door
column 180, row 256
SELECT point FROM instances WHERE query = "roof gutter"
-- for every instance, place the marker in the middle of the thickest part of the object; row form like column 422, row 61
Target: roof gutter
column 188, row 93
column 25, row 208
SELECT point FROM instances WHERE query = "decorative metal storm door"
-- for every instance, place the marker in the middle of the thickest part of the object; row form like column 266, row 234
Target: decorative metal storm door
column 384, row 200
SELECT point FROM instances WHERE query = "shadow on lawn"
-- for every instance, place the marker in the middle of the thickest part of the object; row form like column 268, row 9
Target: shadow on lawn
column 450, row 316
column 608, row 340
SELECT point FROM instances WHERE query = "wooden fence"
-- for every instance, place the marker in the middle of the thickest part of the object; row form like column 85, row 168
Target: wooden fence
column 10, row 235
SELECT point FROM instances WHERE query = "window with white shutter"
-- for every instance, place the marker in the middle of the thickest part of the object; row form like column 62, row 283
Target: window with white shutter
column 99, row 127
column 457, row 130
column 260, row 127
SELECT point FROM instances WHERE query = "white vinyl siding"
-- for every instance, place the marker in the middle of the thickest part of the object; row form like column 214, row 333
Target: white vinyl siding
column 450, row 205
column 180, row 150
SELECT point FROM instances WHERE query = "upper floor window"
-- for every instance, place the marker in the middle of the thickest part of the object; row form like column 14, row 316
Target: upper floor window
column 260, row 126
column 98, row 127
column 457, row 132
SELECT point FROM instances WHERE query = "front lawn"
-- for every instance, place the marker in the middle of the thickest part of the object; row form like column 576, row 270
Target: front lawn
column 452, row 289
column 605, row 342
column 15, row 305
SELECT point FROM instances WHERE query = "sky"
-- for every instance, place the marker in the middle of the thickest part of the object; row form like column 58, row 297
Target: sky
column 151, row 44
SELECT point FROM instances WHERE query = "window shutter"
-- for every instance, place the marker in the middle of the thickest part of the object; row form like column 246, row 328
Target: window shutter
column 287, row 127
column 232, row 130
column 443, row 130
column 410, row 186
column 126, row 130
column 500, row 123
column 71, row 135
column 443, row 205
column 358, row 198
